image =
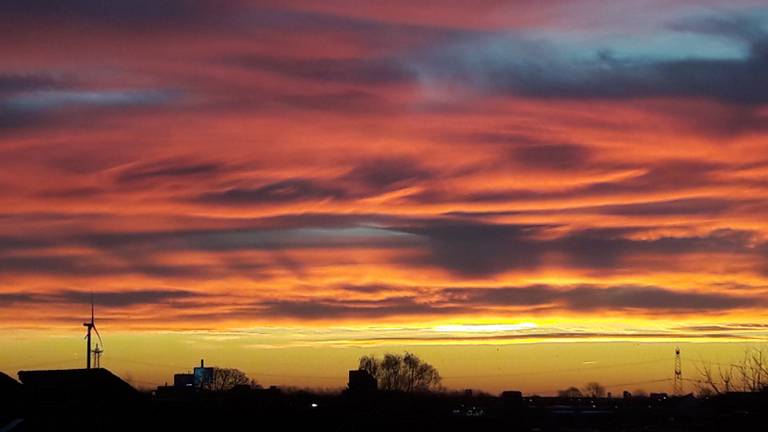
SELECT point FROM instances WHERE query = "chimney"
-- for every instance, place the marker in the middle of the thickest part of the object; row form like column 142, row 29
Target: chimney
column 202, row 363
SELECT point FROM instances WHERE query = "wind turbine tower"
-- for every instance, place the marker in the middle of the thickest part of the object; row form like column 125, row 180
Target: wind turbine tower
column 91, row 325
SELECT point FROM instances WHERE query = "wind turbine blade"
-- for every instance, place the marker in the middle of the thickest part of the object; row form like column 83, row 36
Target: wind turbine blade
column 91, row 306
column 99, row 336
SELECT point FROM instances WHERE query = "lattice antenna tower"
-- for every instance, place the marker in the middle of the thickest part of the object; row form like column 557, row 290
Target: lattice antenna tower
column 677, row 386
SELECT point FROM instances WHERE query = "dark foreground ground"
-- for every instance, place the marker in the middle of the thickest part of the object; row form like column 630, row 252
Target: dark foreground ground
column 273, row 409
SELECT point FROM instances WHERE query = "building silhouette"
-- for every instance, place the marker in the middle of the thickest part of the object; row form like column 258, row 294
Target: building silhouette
column 361, row 381
column 11, row 393
column 75, row 386
column 183, row 380
column 203, row 376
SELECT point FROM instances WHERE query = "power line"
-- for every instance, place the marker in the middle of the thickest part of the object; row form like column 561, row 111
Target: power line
column 341, row 377
column 627, row 384
column 143, row 363
column 638, row 383
column 186, row 367
column 708, row 363
column 20, row 366
column 577, row 369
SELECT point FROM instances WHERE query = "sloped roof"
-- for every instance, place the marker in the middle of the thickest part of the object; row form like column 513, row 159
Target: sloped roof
column 77, row 384
column 8, row 384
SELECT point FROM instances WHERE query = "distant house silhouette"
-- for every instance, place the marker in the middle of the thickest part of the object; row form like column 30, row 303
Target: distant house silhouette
column 75, row 386
column 9, row 387
column 361, row 381
column 512, row 399
column 11, row 392
column 183, row 380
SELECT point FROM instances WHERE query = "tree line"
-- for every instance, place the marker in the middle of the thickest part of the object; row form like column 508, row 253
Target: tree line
column 408, row 373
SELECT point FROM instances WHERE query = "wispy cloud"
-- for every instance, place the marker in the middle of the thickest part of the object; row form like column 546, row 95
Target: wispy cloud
column 473, row 168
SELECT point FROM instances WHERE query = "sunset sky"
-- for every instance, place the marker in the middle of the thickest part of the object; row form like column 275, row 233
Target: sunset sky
column 527, row 194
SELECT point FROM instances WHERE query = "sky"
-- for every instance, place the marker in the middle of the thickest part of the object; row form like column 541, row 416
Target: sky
column 526, row 194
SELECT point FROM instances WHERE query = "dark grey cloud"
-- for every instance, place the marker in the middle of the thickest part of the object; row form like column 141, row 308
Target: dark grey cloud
column 123, row 298
column 683, row 206
column 524, row 66
column 383, row 174
column 293, row 190
column 68, row 106
column 50, row 264
column 330, row 309
column 653, row 298
column 669, row 175
column 675, row 207
column 612, row 298
column 344, row 102
column 368, row 288
column 16, row 243
column 347, row 102
column 534, row 295
column 82, row 265
column 326, row 220
column 52, row 100
column 464, row 246
column 476, row 249
column 11, row 119
column 137, row 247
column 377, row 35
column 168, row 170
column 553, row 156
column 123, row 13
column 11, row 299
column 533, row 299
column 608, row 248
column 348, row 70
column 472, row 248
column 15, row 83
column 440, row 302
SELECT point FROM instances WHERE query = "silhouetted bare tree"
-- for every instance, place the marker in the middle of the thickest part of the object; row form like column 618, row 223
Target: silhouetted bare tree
column 570, row 393
column 708, row 384
column 370, row 364
column 594, row 390
column 751, row 371
column 402, row 372
column 226, row 378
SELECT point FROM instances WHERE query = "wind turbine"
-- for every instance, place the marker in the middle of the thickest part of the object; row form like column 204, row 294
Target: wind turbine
column 91, row 326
